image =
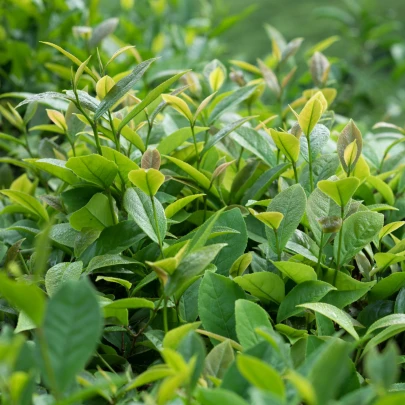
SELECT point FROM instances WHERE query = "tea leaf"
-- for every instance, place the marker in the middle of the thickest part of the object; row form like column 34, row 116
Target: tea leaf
column 96, row 214
column 26, row 297
column 94, row 168
column 27, row 201
column 341, row 191
column 139, row 206
column 216, row 304
column 307, row 291
column 335, row 314
column 264, row 285
column 149, row 180
column 121, row 88
column 298, row 272
column 249, row 317
column 72, row 328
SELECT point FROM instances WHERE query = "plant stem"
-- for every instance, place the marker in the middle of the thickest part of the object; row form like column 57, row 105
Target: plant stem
column 111, row 203
column 165, row 323
column 47, row 363
column 20, row 256
column 116, row 140
column 242, row 149
column 295, row 172
column 318, row 265
column 157, row 226
column 27, row 145
column 277, row 245
column 342, row 214
column 311, row 176
column 150, row 124
column 97, row 139
column 195, row 146
column 205, row 208
column 105, row 363
column 72, row 144
column 92, row 123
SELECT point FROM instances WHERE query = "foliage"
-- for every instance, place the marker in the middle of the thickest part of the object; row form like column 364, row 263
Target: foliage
column 197, row 239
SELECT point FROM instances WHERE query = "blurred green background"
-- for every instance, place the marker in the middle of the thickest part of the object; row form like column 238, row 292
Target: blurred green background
column 368, row 60
column 314, row 20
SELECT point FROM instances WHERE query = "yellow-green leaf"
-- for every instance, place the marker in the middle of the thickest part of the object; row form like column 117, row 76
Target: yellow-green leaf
column 179, row 105
column 216, row 78
column 310, row 114
column 389, row 228
column 341, row 191
column 270, row 219
column 148, row 180
column 287, row 143
column 26, row 297
column 261, row 375
column 298, row 272
column 27, row 201
column 176, row 206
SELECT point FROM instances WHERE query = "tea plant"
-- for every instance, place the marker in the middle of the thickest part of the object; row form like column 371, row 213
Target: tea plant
column 194, row 243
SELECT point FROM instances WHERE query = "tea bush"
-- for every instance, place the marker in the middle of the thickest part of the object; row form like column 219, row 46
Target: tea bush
column 215, row 236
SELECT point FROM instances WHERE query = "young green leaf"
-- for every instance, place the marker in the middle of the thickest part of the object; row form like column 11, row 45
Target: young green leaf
column 216, row 304
column 270, row 219
column 335, row 314
column 26, row 297
column 148, row 180
column 94, row 168
column 250, row 316
column 307, row 291
column 151, row 96
column 96, row 214
column 341, row 191
column 179, row 105
column 264, row 285
column 121, row 88
column 139, row 206
column 349, row 134
column 287, row 143
column 298, row 272
column 291, row 203
column 71, row 331
column 261, row 375
column 310, row 114
column 27, row 201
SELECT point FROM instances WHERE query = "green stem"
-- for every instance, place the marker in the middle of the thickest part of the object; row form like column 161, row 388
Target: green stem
column 277, row 245
column 111, row 204
column 20, row 256
column 47, row 363
column 311, row 176
column 116, row 140
column 27, row 145
column 150, row 124
column 93, row 124
column 358, row 353
column 157, row 226
column 342, row 214
column 195, row 146
column 105, row 363
column 97, row 139
column 318, row 266
column 295, row 172
column 242, row 149
column 72, row 144
column 205, row 208
column 165, row 323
